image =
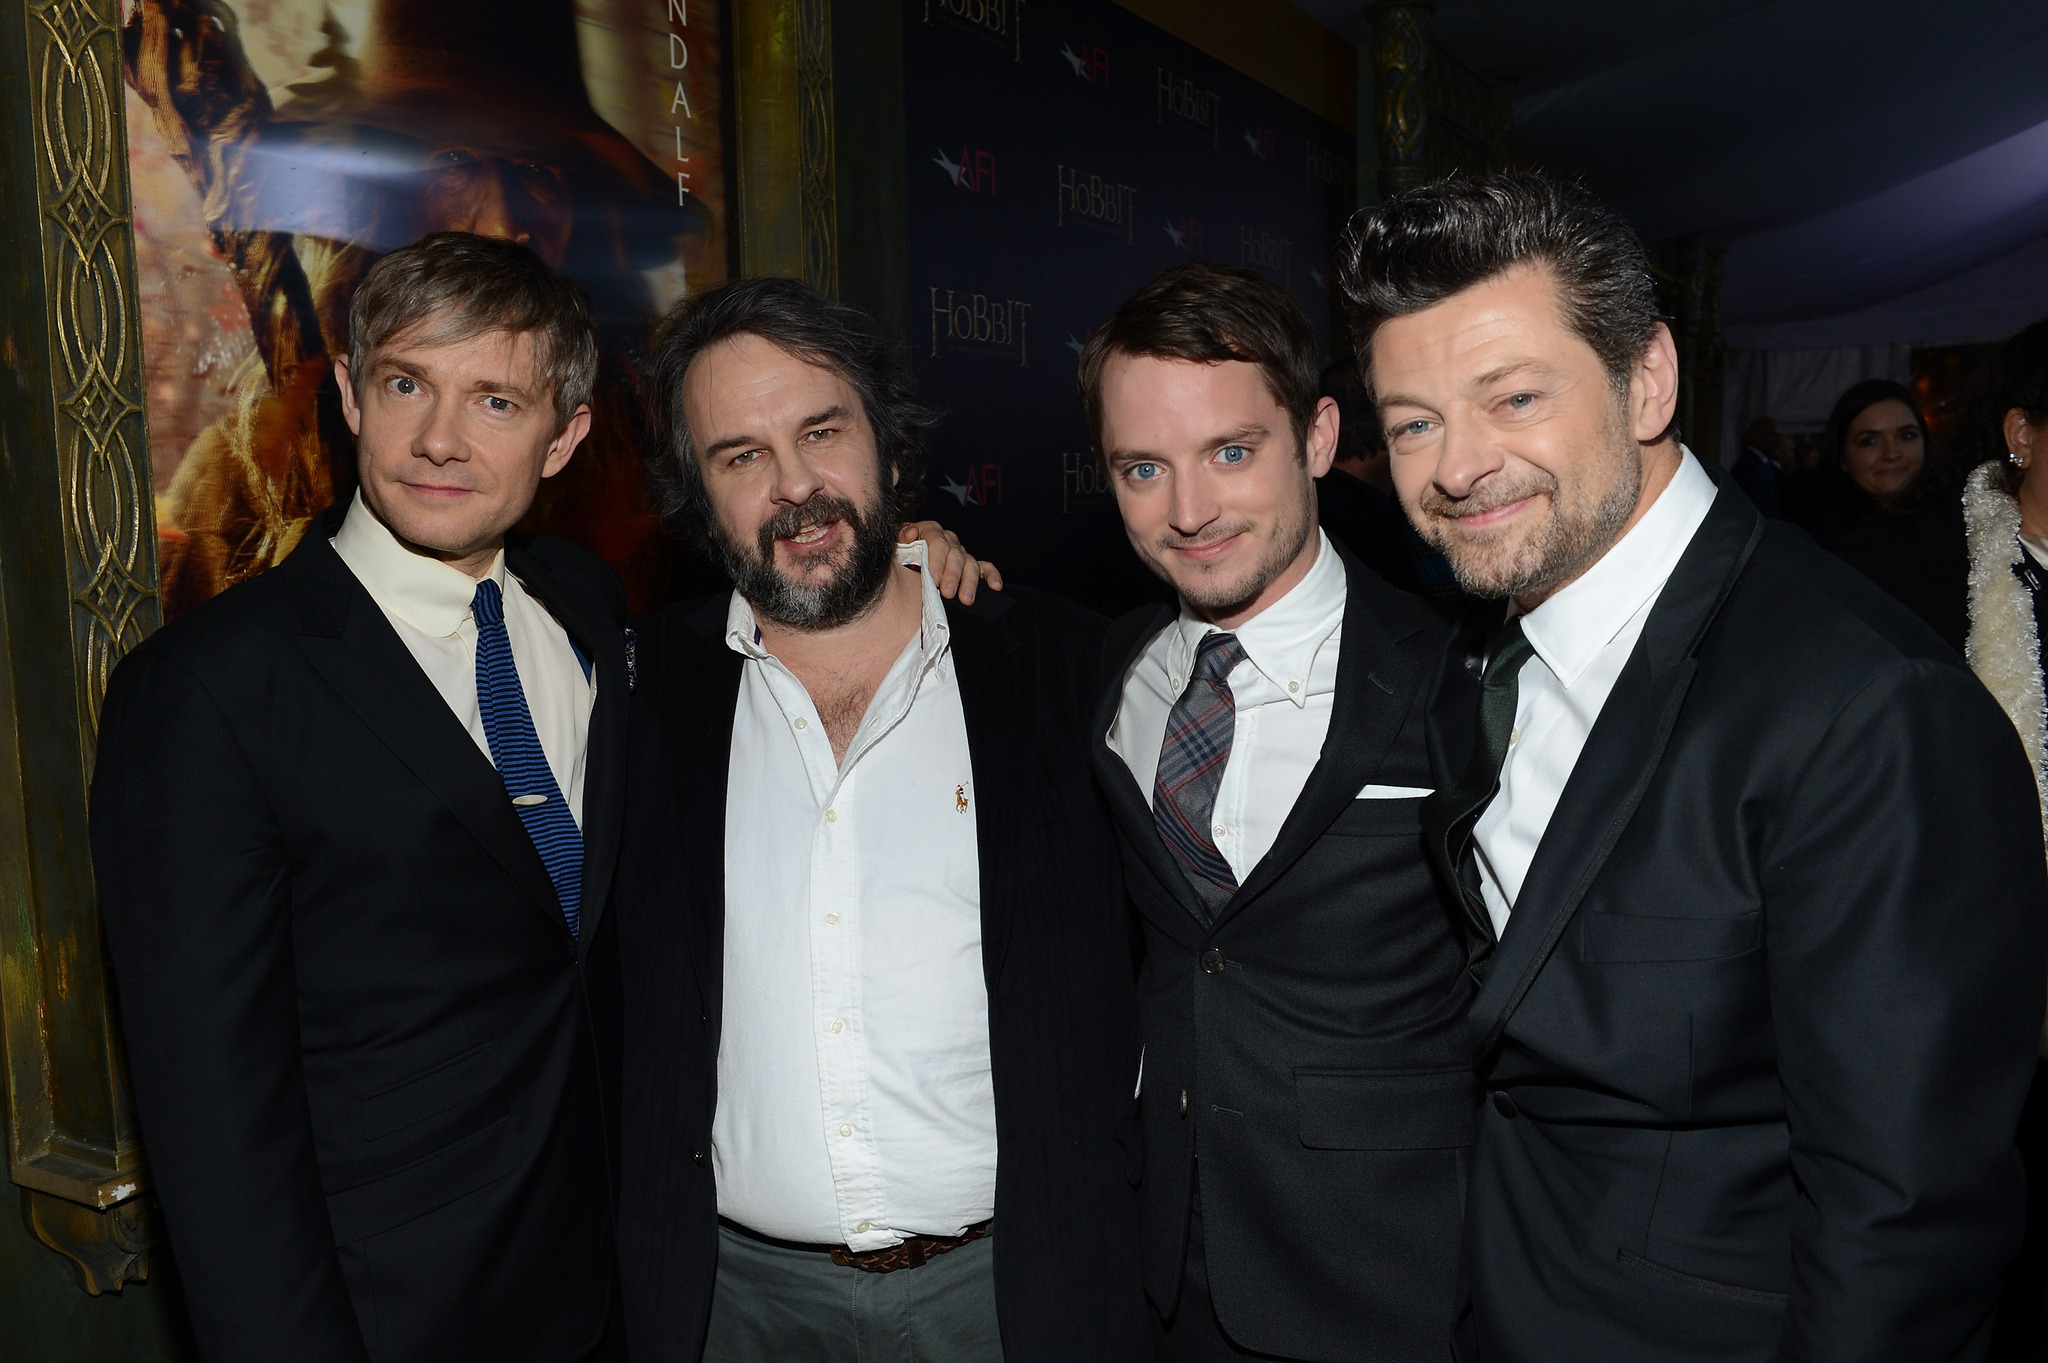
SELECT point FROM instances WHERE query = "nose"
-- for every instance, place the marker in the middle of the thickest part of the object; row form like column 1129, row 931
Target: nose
column 797, row 479
column 1193, row 504
column 439, row 438
column 490, row 205
column 1464, row 456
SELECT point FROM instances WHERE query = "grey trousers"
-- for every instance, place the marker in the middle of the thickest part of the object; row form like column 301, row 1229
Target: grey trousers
column 779, row 1305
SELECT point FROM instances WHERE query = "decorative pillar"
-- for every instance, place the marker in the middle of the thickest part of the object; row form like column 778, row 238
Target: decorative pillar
column 1400, row 55
column 787, row 191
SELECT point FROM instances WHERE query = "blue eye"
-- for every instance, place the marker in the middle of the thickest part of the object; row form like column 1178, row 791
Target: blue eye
column 1143, row 472
column 404, row 385
column 1521, row 401
column 1233, row 454
column 1412, row 428
column 498, row 404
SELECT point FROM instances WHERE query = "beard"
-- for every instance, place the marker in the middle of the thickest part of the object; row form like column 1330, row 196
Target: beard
column 847, row 589
column 1584, row 522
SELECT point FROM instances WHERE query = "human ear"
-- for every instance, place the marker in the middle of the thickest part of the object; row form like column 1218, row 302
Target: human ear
column 565, row 442
column 1653, row 387
column 1320, row 449
column 350, row 412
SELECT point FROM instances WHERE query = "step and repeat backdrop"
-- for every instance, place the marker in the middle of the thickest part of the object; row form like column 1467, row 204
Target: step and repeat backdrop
column 1061, row 153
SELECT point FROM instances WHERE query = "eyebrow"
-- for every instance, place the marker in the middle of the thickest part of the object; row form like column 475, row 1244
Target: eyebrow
column 1250, row 433
column 1486, row 380
column 836, row 412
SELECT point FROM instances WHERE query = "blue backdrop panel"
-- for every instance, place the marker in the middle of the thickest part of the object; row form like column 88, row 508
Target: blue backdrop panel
column 1061, row 153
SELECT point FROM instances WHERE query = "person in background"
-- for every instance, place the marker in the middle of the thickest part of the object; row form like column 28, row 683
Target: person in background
column 1874, row 460
column 1756, row 470
column 1758, row 860
column 881, row 1043
column 1307, row 1096
column 1975, row 567
column 1355, row 501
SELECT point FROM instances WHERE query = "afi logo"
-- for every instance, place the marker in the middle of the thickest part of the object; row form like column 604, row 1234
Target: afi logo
column 1186, row 235
column 973, row 172
column 1261, row 143
column 1091, row 63
column 984, row 486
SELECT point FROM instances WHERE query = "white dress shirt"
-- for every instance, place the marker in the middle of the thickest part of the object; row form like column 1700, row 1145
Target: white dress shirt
column 1285, row 688
column 1583, row 636
column 427, row 602
column 855, row 1100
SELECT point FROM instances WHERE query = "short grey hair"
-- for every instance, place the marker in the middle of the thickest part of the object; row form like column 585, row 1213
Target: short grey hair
column 475, row 285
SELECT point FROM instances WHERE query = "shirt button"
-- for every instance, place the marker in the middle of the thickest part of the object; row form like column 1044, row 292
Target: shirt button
column 1221, row 831
column 831, row 816
column 861, row 1229
column 1514, row 737
column 846, row 1128
column 837, row 1026
column 803, row 723
column 831, row 920
column 1293, row 687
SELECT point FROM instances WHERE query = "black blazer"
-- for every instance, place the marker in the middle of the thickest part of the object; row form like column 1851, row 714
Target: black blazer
column 1760, row 1027
column 1310, row 1042
column 365, row 1068
column 1062, row 1035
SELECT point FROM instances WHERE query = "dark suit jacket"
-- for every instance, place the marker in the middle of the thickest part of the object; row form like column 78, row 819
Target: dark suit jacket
column 364, row 1064
column 1760, row 1027
column 1757, row 476
column 1062, row 1036
column 1311, row 1042
column 1922, row 557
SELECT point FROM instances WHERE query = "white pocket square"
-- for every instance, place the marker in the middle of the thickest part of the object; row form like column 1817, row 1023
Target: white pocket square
column 1393, row 792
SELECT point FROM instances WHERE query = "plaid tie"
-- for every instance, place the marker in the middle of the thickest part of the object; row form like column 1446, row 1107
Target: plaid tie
column 1191, row 760
column 1457, row 809
column 516, row 752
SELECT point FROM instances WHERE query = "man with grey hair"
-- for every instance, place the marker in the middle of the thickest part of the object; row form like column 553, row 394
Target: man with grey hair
column 354, row 825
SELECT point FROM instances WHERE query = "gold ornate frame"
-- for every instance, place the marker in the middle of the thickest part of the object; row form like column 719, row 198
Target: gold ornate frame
column 78, row 570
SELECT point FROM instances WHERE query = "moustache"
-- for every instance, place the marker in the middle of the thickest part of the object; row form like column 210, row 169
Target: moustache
column 1440, row 505
column 794, row 520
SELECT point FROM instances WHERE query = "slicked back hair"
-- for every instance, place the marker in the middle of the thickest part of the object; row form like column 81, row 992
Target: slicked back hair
column 458, row 285
column 1439, row 239
column 799, row 321
column 1209, row 313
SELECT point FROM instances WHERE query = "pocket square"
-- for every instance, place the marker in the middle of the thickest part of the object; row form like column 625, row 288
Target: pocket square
column 1393, row 792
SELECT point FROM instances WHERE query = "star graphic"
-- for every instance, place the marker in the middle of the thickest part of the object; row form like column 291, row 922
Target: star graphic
column 1072, row 60
column 1073, row 345
column 1253, row 143
column 951, row 168
column 1174, row 234
column 1316, row 274
column 962, row 491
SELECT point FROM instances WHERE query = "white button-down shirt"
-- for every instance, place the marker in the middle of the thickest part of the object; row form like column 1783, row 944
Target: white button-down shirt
column 856, row 1104
column 1583, row 636
column 1285, row 688
column 427, row 603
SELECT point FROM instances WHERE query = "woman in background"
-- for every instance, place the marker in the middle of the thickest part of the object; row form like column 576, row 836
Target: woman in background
column 1874, row 461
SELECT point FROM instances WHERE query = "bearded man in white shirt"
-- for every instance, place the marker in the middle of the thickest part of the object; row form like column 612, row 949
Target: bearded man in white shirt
column 1307, row 1097
column 878, row 984
column 1752, row 862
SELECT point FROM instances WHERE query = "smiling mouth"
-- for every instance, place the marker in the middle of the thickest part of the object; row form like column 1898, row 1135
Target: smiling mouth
column 810, row 534
column 1473, row 521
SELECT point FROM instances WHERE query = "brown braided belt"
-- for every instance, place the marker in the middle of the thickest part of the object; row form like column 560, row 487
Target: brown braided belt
column 912, row 1253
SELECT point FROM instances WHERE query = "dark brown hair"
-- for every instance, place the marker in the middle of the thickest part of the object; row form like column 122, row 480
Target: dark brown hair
column 1439, row 239
column 1209, row 313
column 474, row 285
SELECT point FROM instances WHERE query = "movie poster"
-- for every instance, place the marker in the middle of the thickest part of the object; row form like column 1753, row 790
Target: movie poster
column 279, row 147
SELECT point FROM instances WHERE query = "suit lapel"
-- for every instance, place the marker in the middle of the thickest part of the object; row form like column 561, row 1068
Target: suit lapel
column 1129, row 805
column 1620, row 758
column 1378, row 682
column 997, row 710
column 349, row 642
column 597, row 634
column 696, row 684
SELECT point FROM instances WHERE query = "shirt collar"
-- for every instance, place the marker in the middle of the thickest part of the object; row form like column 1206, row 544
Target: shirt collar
column 424, row 592
column 1283, row 639
column 1569, row 630
column 743, row 629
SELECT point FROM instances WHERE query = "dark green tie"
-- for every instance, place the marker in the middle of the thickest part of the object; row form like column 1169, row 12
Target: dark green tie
column 1458, row 809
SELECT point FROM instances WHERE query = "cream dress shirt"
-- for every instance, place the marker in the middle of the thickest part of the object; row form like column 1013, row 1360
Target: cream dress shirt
column 1583, row 637
column 855, row 1100
column 1285, row 688
column 427, row 602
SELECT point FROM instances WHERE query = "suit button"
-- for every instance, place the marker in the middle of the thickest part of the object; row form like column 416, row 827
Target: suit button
column 697, row 1157
column 1505, row 1105
column 1213, row 962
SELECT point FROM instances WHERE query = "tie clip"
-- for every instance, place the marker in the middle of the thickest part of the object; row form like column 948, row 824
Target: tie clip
column 529, row 801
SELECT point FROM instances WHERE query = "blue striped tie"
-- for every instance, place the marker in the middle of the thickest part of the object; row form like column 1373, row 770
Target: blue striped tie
column 516, row 751
column 1199, row 732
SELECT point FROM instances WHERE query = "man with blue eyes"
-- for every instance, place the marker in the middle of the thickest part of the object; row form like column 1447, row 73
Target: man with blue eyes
column 1753, row 865
column 1307, row 1094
